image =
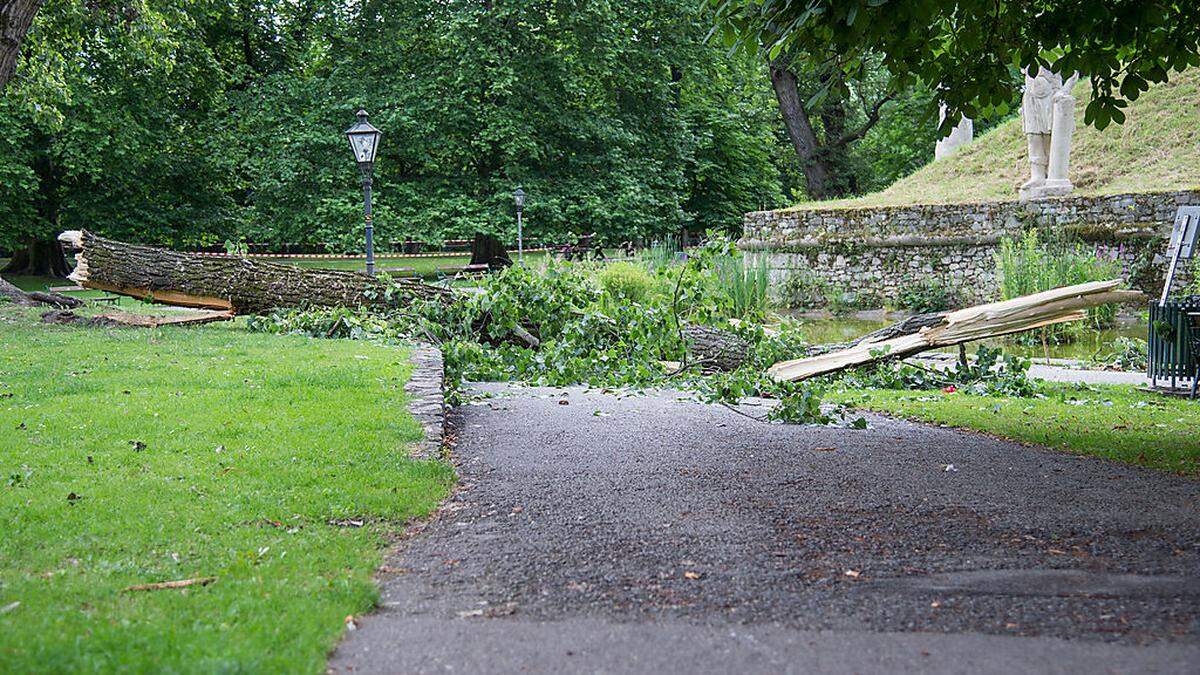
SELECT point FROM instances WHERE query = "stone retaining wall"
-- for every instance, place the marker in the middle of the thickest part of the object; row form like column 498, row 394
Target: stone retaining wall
column 877, row 251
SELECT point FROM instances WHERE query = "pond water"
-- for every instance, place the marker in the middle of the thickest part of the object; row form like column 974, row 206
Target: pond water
column 824, row 329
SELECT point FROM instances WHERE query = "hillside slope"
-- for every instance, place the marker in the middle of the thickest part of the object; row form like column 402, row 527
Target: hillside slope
column 1157, row 148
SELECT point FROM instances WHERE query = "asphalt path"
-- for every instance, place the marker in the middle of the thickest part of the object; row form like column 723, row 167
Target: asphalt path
column 605, row 532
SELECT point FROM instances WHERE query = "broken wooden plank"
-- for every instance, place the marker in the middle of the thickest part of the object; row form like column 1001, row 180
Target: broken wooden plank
column 152, row 321
column 930, row 331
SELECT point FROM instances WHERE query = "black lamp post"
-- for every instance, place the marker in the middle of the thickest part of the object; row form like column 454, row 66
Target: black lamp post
column 364, row 141
column 519, row 200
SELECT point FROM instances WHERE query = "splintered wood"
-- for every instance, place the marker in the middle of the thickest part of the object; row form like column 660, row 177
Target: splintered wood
column 930, row 331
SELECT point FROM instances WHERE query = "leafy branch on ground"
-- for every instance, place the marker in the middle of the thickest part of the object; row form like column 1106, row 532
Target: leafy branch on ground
column 619, row 326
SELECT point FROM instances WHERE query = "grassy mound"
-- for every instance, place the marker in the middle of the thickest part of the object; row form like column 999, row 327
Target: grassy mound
column 1156, row 149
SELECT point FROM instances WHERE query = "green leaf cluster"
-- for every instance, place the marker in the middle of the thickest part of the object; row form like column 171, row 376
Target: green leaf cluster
column 193, row 122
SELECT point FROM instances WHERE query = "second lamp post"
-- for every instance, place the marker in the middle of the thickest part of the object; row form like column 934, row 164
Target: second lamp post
column 364, row 141
column 519, row 200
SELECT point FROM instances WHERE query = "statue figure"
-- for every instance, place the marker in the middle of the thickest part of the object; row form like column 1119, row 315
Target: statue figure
column 1048, row 119
column 961, row 134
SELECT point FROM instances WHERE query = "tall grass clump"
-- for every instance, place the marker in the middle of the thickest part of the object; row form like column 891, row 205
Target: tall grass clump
column 660, row 254
column 743, row 284
column 1033, row 264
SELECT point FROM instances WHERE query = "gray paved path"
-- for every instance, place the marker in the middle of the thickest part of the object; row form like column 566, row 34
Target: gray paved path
column 650, row 534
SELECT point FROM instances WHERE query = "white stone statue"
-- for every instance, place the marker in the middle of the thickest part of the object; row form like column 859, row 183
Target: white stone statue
column 1048, row 119
column 961, row 134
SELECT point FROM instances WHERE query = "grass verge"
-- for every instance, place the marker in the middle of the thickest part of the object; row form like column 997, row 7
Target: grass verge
column 276, row 464
column 1114, row 422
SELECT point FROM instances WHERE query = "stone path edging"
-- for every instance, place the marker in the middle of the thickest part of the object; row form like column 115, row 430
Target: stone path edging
column 428, row 405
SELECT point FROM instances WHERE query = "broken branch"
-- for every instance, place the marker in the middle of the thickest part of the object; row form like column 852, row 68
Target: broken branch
column 161, row 585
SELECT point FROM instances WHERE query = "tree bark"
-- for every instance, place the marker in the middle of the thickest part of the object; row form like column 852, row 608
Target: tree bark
column 240, row 285
column 715, row 349
column 40, row 257
column 800, row 130
column 20, row 297
column 489, row 250
column 15, row 295
column 16, row 16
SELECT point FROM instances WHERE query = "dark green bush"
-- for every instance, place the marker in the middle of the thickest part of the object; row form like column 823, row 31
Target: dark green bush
column 925, row 296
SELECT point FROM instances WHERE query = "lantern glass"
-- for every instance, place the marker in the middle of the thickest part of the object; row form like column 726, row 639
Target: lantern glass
column 519, row 197
column 364, row 139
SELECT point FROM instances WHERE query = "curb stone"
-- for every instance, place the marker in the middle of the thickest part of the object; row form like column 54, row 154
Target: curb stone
column 428, row 405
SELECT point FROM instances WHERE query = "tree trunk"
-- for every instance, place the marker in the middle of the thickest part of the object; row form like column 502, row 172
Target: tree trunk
column 240, row 285
column 14, row 294
column 15, row 18
column 22, row 298
column 715, row 349
column 800, row 130
column 834, row 156
column 488, row 250
column 40, row 257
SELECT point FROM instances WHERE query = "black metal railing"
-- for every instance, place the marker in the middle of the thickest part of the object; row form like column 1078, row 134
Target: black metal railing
column 1173, row 341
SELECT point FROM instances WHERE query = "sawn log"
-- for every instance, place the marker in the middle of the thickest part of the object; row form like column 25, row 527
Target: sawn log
column 239, row 285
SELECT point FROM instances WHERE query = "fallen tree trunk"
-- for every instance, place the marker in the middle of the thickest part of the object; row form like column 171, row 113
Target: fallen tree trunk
column 930, row 331
column 238, row 285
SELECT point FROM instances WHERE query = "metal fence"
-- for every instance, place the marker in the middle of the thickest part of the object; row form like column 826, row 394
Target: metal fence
column 1174, row 341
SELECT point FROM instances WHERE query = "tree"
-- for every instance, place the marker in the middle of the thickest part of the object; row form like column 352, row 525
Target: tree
column 824, row 149
column 967, row 49
column 122, row 135
column 188, row 122
column 15, row 18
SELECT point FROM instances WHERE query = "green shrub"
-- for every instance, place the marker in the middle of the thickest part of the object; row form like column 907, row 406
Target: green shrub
column 1193, row 287
column 927, row 295
column 803, row 289
column 842, row 302
column 627, row 281
column 1126, row 354
column 1031, row 265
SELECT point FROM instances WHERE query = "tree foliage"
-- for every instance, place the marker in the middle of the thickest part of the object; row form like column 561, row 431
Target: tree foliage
column 969, row 48
column 187, row 122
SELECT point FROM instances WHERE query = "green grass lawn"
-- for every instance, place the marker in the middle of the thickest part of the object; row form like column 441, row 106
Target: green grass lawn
column 131, row 456
column 1115, row 422
column 413, row 266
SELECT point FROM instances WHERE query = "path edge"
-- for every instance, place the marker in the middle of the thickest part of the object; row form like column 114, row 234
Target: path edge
column 427, row 403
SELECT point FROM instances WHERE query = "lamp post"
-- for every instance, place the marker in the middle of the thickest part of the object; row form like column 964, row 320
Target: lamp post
column 364, row 141
column 519, row 200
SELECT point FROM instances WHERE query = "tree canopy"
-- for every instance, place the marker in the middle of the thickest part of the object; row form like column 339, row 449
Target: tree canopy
column 186, row 123
column 968, row 49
